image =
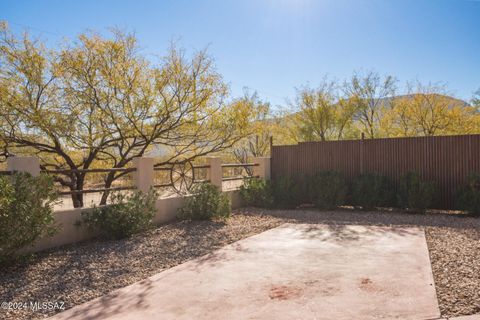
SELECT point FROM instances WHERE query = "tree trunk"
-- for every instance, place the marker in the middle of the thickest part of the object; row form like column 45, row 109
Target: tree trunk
column 77, row 198
column 108, row 183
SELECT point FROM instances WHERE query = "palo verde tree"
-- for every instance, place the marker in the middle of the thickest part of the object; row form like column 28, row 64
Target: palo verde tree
column 427, row 110
column 265, row 125
column 321, row 113
column 98, row 101
column 258, row 143
column 369, row 94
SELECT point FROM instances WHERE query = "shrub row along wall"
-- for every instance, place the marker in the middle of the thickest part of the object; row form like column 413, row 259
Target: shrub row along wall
column 445, row 160
column 69, row 232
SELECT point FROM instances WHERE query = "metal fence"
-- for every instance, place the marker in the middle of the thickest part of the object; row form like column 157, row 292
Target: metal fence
column 171, row 178
column 445, row 160
column 69, row 172
column 180, row 176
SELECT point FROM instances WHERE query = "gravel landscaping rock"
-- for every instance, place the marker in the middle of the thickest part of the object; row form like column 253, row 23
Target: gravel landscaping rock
column 78, row 273
column 455, row 257
column 81, row 272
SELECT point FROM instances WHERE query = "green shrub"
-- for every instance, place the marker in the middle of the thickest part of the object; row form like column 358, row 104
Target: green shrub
column 26, row 212
column 207, row 202
column 415, row 194
column 286, row 192
column 257, row 192
column 301, row 188
column 372, row 190
column 468, row 197
column 327, row 189
column 126, row 215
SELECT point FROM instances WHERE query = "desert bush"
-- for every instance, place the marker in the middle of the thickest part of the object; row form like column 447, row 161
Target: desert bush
column 286, row 192
column 126, row 215
column 327, row 189
column 372, row 190
column 416, row 194
column 207, row 202
column 26, row 212
column 257, row 192
column 468, row 197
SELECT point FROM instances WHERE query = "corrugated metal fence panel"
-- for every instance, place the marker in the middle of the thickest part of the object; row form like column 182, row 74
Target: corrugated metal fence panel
column 446, row 160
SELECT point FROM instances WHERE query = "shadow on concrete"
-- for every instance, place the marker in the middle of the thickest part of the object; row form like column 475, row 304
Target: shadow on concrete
column 341, row 233
column 374, row 218
column 80, row 272
column 115, row 303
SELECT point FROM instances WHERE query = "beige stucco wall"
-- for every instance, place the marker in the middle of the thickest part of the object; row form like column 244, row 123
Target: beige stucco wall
column 67, row 233
column 167, row 209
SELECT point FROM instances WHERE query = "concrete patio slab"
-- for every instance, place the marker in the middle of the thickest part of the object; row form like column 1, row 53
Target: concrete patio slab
column 296, row 271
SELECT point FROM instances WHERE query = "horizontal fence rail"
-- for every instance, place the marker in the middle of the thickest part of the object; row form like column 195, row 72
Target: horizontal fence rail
column 243, row 166
column 239, row 165
column 96, row 190
column 99, row 170
column 161, row 169
column 69, row 171
column 444, row 160
column 201, row 166
column 239, row 178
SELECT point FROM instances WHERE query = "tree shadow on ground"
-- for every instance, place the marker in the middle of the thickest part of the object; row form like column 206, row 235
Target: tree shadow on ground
column 83, row 271
column 373, row 218
column 116, row 302
column 346, row 233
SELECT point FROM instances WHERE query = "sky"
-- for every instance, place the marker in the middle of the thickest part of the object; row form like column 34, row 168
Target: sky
column 275, row 46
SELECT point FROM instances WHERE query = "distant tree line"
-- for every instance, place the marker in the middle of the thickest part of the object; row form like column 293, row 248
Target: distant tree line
column 371, row 104
column 366, row 103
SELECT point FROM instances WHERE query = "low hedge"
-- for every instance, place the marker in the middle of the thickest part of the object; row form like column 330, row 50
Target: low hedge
column 415, row 194
column 127, row 214
column 372, row 190
column 327, row 189
column 207, row 202
column 286, row 192
column 468, row 197
column 257, row 193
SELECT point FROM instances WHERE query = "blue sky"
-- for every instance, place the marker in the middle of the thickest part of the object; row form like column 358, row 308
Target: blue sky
column 273, row 46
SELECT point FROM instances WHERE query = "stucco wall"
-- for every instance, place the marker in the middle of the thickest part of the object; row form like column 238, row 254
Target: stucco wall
column 69, row 232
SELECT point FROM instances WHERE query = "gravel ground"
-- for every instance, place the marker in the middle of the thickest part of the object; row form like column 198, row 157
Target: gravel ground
column 78, row 273
column 81, row 272
column 455, row 257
